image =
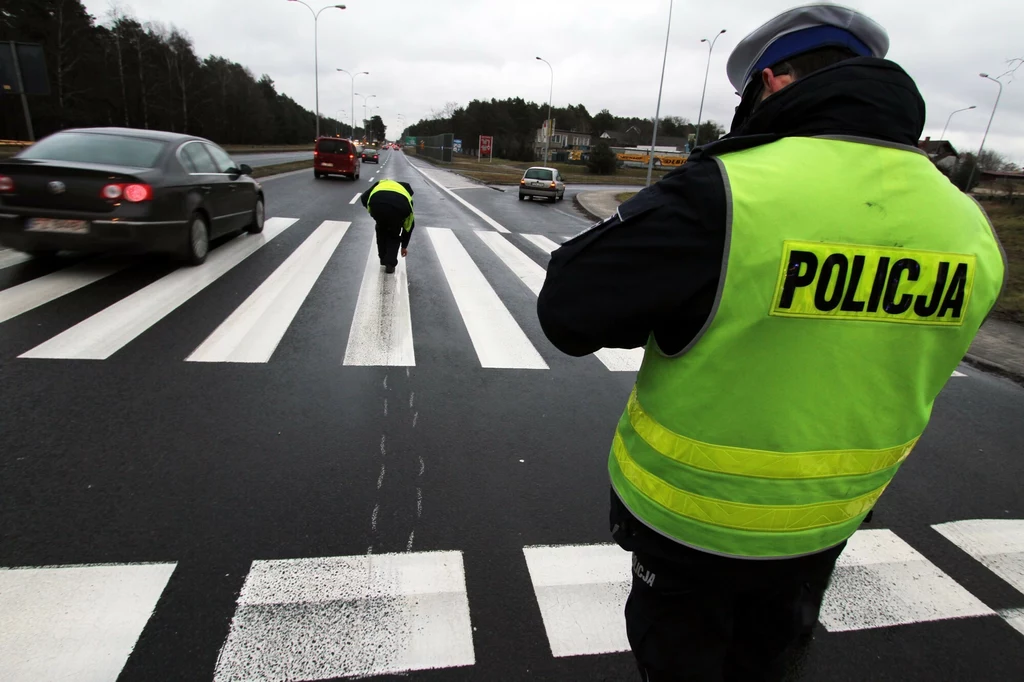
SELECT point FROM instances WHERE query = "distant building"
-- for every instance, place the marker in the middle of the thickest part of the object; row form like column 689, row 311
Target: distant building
column 565, row 144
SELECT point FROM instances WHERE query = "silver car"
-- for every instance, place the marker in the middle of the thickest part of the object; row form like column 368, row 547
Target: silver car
column 542, row 182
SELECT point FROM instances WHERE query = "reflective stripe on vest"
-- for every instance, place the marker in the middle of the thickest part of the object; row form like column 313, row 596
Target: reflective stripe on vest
column 834, row 330
column 393, row 186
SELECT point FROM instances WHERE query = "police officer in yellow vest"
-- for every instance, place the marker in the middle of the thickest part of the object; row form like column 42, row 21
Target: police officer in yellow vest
column 804, row 288
column 390, row 205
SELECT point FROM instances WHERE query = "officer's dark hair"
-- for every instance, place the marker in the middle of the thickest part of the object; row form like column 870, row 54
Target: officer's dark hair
column 815, row 60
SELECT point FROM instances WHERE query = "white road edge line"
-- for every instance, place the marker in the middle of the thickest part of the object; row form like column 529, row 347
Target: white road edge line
column 381, row 331
column 498, row 339
column 114, row 327
column 483, row 216
column 252, row 332
column 356, row 198
column 532, row 275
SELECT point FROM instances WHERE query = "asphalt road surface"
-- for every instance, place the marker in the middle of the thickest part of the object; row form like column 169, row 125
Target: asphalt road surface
column 282, row 465
column 271, row 158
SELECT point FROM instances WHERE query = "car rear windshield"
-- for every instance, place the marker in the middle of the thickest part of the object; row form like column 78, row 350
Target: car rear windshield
column 333, row 147
column 109, row 150
column 538, row 174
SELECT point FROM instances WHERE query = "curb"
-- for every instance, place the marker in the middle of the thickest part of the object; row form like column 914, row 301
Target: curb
column 579, row 204
column 994, row 368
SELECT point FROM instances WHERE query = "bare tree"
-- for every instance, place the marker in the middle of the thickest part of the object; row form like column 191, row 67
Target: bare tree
column 116, row 15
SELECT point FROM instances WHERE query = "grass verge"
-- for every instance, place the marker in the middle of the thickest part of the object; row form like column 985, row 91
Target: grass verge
column 506, row 172
column 258, row 148
column 264, row 171
column 624, row 196
column 1008, row 220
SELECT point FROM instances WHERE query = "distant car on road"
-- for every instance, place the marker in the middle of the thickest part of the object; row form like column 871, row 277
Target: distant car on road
column 370, row 154
column 104, row 188
column 542, row 182
column 336, row 156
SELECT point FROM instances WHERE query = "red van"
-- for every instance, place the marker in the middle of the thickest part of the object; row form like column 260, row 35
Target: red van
column 336, row 156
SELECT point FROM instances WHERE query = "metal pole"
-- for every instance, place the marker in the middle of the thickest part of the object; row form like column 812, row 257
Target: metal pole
column 21, row 89
column 657, row 109
column 316, row 54
column 700, row 113
column 977, row 161
column 943, row 135
column 551, row 92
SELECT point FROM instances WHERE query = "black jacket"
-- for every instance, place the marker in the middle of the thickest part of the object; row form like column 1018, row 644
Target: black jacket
column 653, row 268
column 390, row 208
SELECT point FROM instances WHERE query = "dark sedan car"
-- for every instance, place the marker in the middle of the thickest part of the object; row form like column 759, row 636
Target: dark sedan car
column 371, row 155
column 105, row 188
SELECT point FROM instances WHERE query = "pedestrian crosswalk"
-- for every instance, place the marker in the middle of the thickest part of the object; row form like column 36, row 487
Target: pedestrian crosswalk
column 381, row 332
column 359, row 616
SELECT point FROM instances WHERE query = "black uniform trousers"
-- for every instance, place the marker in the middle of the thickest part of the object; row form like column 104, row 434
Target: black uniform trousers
column 692, row 616
column 390, row 232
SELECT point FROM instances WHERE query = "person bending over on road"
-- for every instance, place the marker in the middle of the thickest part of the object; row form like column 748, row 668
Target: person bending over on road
column 390, row 205
column 804, row 287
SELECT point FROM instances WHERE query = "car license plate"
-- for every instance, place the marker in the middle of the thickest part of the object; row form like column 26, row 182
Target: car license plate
column 327, row 165
column 58, row 225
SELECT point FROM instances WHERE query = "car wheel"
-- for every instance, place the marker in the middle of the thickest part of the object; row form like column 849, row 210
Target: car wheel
column 316, row 175
column 561, row 196
column 198, row 243
column 553, row 199
column 258, row 217
column 521, row 196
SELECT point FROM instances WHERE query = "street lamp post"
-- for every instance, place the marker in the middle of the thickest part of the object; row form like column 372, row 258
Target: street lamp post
column 700, row 113
column 657, row 109
column 943, row 135
column 551, row 92
column 353, row 77
column 316, row 53
column 365, row 99
column 977, row 161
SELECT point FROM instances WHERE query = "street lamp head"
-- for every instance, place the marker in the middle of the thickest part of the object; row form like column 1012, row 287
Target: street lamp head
column 983, row 75
column 540, row 59
column 972, row 107
column 703, row 40
column 721, row 32
column 340, row 6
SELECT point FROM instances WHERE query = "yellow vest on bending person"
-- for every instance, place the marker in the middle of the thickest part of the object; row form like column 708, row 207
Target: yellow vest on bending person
column 855, row 278
column 392, row 186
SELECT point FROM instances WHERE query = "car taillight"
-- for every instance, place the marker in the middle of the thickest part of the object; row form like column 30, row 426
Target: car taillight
column 316, row 154
column 523, row 181
column 552, row 185
column 134, row 192
column 6, row 184
column 138, row 192
column 351, row 156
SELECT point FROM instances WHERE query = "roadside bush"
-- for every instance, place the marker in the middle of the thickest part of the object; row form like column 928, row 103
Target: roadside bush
column 602, row 159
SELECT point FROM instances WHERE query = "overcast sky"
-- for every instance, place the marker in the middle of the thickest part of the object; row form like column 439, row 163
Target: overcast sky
column 605, row 53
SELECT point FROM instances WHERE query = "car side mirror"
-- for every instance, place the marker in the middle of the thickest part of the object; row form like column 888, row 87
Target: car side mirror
column 245, row 169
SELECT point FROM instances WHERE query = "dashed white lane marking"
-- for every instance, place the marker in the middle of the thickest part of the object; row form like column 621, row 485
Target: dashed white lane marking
column 997, row 543
column 532, row 275
column 959, row 374
column 356, row 197
column 106, row 332
column 34, row 293
column 541, row 242
column 317, row 619
column 251, row 333
column 581, row 591
column 480, row 214
column 74, row 622
column 498, row 339
column 882, row 581
column 10, row 258
column 381, row 331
